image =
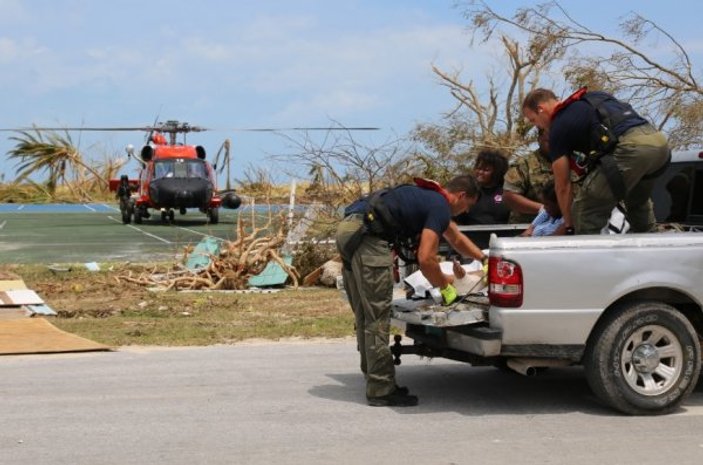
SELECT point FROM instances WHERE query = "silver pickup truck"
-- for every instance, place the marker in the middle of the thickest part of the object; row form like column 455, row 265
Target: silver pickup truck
column 629, row 308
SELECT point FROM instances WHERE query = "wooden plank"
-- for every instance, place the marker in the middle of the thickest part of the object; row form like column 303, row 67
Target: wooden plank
column 20, row 297
column 12, row 285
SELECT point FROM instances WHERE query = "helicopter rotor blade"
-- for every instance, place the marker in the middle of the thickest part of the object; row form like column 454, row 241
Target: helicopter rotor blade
column 42, row 128
column 304, row 129
column 183, row 128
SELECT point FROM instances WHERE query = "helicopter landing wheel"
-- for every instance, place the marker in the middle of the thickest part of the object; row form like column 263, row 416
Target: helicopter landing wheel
column 182, row 211
column 213, row 215
column 138, row 216
column 171, row 216
column 165, row 216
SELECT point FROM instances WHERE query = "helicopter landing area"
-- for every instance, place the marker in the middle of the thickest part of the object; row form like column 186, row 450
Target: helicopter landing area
column 83, row 233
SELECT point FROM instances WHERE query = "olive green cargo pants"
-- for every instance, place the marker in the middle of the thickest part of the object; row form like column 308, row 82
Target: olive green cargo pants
column 369, row 287
column 640, row 151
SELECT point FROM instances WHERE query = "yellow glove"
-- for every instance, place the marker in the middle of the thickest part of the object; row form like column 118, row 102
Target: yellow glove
column 448, row 294
column 484, row 268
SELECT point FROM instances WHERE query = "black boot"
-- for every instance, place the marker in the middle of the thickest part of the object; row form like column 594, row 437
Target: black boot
column 396, row 398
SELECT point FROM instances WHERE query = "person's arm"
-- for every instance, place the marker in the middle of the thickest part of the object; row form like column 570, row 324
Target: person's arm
column 427, row 259
column 462, row 243
column 529, row 231
column 562, row 185
column 521, row 204
column 560, row 231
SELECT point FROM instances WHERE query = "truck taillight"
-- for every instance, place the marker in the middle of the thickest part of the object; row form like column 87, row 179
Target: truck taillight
column 504, row 282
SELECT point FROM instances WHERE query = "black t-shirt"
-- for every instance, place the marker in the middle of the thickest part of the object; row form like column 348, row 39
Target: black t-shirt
column 414, row 208
column 489, row 209
column 570, row 130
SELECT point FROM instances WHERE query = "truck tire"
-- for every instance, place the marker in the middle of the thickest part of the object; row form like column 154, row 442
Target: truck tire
column 644, row 358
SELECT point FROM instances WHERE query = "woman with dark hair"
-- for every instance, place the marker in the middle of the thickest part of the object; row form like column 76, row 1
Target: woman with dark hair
column 489, row 169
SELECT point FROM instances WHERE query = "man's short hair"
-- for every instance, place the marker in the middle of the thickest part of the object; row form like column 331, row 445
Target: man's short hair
column 464, row 183
column 537, row 96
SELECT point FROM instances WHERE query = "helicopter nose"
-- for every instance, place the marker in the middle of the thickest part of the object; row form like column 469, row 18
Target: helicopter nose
column 184, row 196
column 178, row 192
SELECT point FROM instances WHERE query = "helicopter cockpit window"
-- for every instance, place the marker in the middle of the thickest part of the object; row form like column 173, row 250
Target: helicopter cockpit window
column 196, row 169
column 179, row 168
column 164, row 169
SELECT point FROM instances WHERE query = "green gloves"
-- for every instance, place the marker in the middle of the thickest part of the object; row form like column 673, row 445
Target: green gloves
column 448, row 294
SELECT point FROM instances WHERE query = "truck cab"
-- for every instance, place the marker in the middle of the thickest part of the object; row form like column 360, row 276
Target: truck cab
column 678, row 193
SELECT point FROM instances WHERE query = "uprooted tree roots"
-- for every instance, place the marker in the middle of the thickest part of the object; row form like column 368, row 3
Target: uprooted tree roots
column 237, row 261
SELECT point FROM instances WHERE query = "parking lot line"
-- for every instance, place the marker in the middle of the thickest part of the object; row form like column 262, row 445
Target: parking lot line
column 142, row 231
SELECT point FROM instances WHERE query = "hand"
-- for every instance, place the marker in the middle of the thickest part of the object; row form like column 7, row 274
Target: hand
column 458, row 270
column 484, row 269
column 448, row 294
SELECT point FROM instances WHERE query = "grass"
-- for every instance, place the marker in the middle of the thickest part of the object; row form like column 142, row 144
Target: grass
column 98, row 306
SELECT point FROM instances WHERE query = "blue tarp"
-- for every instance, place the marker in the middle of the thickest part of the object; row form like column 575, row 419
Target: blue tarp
column 202, row 253
column 273, row 274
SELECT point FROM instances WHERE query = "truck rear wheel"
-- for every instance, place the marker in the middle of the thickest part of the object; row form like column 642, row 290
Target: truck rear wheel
column 643, row 359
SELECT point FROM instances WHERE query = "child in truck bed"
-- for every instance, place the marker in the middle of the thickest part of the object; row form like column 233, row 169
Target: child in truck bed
column 548, row 221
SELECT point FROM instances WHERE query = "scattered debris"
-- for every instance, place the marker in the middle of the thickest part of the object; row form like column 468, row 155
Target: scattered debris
column 92, row 266
column 327, row 274
column 202, row 254
column 16, row 301
column 231, row 267
column 331, row 270
column 54, row 268
column 272, row 275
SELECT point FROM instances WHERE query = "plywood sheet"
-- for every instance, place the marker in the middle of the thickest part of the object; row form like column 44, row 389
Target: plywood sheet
column 37, row 336
column 12, row 285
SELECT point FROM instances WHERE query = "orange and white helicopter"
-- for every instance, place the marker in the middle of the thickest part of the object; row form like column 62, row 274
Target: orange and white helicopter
column 174, row 176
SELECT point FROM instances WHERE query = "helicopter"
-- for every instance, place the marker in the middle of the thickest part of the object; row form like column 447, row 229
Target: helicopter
column 173, row 176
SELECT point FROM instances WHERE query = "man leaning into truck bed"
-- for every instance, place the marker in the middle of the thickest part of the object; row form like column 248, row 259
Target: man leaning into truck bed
column 618, row 153
column 371, row 227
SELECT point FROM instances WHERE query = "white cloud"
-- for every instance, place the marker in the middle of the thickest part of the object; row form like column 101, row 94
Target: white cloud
column 8, row 50
column 332, row 104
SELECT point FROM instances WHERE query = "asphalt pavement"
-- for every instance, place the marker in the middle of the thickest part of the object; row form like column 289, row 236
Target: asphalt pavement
column 303, row 403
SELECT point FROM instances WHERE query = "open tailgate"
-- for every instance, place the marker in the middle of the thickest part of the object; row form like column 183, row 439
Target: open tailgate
column 469, row 310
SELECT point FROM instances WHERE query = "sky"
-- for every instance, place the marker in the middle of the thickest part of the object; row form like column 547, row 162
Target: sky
column 229, row 64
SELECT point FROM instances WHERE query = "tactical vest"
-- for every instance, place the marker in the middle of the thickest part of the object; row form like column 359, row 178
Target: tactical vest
column 379, row 221
column 614, row 119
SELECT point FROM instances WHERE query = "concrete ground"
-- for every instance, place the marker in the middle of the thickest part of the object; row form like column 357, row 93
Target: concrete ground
column 95, row 233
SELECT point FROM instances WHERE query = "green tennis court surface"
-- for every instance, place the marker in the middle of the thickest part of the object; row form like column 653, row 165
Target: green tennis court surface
column 95, row 233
